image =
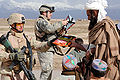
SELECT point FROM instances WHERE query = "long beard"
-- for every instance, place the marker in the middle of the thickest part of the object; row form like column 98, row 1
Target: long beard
column 93, row 21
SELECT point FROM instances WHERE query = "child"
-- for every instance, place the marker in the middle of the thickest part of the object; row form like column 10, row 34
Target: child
column 98, row 70
column 79, row 54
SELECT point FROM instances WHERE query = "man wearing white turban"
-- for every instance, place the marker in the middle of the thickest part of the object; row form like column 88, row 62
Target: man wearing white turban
column 103, row 34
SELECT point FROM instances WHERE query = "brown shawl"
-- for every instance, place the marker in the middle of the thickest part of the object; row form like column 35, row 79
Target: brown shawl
column 105, row 32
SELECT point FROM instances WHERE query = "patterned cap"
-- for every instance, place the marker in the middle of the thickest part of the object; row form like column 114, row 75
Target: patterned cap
column 99, row 65
column 69, row 62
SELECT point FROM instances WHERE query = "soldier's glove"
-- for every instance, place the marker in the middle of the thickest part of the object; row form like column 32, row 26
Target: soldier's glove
column 50, row 43
column 17, row 56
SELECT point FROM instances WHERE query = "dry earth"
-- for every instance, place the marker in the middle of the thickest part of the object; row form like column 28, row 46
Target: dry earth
column 78, row 30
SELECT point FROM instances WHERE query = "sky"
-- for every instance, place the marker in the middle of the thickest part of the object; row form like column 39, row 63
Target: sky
column 77, row 4
column 35, row 4
column 9, row 6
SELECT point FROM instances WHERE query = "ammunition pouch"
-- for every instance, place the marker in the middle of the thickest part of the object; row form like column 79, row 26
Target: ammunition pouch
column 17, row 69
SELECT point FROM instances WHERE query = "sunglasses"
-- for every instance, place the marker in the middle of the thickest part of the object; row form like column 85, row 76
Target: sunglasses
column 19, row 24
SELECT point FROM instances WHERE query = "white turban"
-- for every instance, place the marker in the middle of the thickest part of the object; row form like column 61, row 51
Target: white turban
column 118, row 26
column 97, row 5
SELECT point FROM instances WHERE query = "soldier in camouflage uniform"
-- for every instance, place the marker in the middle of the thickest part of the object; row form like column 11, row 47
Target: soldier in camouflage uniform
column 45, row 31
column 17, row 40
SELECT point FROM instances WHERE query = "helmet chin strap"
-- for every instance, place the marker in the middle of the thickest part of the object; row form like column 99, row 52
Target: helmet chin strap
column 14, row 29
column 47, row 15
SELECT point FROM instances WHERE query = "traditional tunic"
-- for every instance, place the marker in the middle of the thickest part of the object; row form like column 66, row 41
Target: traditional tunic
column 107, row 41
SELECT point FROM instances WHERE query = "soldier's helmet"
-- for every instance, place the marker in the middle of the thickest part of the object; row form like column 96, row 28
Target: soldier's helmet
column 45, row 8
column 16, row 18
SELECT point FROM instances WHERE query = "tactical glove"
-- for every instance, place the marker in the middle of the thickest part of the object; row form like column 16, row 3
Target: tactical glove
column 17, row 56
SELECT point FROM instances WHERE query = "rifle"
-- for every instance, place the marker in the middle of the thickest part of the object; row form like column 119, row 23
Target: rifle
column 4, row 41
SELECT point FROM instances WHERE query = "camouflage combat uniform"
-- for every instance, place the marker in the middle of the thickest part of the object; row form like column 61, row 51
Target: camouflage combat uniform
column 17, row 41
column 44, row 27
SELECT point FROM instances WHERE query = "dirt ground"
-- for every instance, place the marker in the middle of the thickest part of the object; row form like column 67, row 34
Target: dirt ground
column 80, row 29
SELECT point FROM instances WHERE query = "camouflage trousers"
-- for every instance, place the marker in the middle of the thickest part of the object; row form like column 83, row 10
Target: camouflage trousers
column 19, row 76
column 46, row 62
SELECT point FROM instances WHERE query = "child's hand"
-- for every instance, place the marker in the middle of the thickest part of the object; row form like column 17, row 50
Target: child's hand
column 87, row 55
column 77, row 67
column 73, row 43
